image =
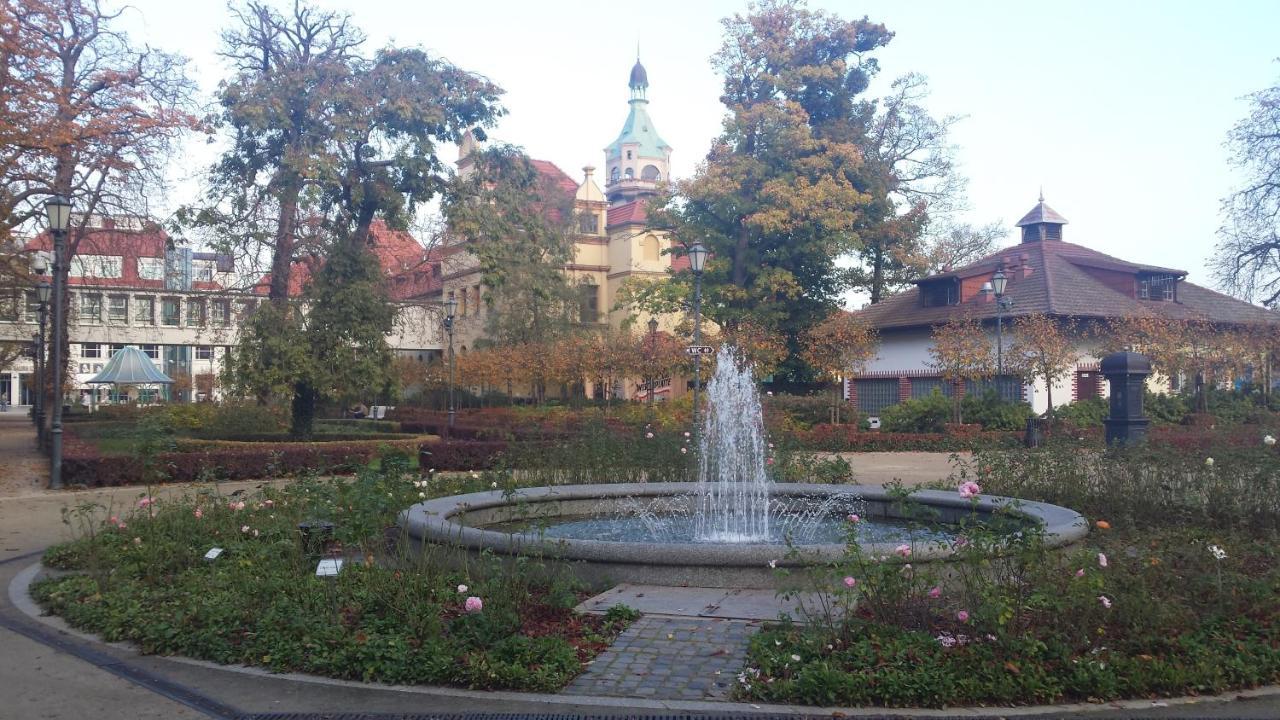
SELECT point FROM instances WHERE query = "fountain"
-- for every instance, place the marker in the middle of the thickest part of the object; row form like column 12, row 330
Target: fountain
column 733, row 487
column 731, row 528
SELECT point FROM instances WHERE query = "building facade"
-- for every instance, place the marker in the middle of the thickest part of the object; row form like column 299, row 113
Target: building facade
column 1046, row 275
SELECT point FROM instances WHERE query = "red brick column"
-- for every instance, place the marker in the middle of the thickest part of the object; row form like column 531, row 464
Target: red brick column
column 853, row 393
column 904, row 389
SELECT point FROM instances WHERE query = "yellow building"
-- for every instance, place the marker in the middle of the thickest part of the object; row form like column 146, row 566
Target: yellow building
column 614, row 242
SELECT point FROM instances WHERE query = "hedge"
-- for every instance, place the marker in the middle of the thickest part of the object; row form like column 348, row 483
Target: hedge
column 461, row 455
column 82, row 464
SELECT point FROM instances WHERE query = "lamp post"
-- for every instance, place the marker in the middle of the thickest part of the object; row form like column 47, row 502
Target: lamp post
column 653, row 356
column 697, row 261
column 1003, row 303
column 450, row 307
column 58, row 208
column 43, row 290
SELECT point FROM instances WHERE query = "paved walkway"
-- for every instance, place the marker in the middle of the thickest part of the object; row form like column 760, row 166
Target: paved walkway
column 666, row 658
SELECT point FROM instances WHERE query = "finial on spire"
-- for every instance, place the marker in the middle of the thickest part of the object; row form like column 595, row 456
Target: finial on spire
column 1042, row 193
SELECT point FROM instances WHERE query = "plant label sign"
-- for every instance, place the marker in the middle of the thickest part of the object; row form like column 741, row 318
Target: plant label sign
column 700, row 350
column 213, row 554
column 329, row 567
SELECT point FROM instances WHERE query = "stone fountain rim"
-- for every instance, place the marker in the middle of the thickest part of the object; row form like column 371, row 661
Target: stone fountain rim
column 434, row 521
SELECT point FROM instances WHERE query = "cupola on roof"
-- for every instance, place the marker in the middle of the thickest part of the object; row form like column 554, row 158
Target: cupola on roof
column 639, row 78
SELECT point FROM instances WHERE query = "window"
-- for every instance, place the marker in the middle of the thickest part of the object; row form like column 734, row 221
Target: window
column 475, row 294
column 628, row 157
column 169, row 311
column 589, row 224
column 91, row 307
column 91, row 350
column 151, row 268
column 202, row 270
column 118, row 308
column 613, row 174
column 939, row 294
column 204, row 352
column 923, row 387
column 114, row 348
column 1158, row 287
column 151, row 351
column 195, row 312
column 220, row 312
column 244, row 308
column 9, row 308
column 84, row 367
column 650, row 173
column 144, row 310
column 876, row 395
column 462, row 302
column 97, row 367
column 96, row 266
column 649, row 247
column 588, row 304
column 32, row 311
column 630, row 173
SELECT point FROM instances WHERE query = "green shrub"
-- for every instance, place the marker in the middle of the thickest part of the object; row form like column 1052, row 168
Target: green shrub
column 992, row 413
column 1086, row 413
column 928, row 414
column 1165, row 408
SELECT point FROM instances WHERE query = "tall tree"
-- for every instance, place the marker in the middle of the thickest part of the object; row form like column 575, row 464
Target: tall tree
column 517, row 225
column 86, row 114
column 786, row 187
column 1247, row 260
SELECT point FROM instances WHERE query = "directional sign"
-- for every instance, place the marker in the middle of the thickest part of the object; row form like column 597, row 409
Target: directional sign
column 700, row 350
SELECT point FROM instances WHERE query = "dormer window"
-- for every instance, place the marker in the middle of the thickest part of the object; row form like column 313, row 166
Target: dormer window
column 940, row 294
column 1158, row 287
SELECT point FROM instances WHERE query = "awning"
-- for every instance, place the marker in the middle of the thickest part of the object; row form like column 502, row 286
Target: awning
column 130, row 366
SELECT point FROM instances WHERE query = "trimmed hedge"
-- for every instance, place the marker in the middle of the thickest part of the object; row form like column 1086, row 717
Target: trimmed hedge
column 461, row 455
column 82, row 464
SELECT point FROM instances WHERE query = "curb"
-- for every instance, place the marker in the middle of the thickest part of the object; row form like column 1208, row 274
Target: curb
column 20, row 597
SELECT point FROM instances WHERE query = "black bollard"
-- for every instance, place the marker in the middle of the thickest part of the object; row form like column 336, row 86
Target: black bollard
column 1127, row 373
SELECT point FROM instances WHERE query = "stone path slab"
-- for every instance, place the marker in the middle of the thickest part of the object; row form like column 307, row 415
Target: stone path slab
column 727, row 603
column 667, row 658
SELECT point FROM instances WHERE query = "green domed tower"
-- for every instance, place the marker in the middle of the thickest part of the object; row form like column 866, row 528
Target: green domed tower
column 639, row 159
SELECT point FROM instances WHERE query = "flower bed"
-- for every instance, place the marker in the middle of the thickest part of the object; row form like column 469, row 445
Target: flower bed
column 143, row 577
column 1173, row 593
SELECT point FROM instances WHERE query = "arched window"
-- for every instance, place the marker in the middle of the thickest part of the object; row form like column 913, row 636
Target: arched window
column 649, row 248
column 613, row 174
column 650, row 173
column 630, row 173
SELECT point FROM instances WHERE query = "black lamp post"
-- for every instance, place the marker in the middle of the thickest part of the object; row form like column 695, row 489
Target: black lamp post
column 58, row 209
column 999, row 281
column 450, row 307
column 653, row 354
column 697, row 261
column 43, row 290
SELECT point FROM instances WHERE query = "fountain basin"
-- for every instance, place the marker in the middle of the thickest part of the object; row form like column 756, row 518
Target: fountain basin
column 465, row 522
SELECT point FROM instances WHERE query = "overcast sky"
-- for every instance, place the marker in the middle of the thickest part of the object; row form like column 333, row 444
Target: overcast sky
column 1118, row 109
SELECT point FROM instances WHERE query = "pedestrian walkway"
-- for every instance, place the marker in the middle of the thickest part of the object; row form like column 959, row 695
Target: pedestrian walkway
column 23, row 469
column 666, row 658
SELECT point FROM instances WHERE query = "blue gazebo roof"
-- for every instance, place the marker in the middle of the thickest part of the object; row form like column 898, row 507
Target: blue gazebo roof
column 130, row 366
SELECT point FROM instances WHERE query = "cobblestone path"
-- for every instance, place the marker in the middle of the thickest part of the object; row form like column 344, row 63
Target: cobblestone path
column 667, row 658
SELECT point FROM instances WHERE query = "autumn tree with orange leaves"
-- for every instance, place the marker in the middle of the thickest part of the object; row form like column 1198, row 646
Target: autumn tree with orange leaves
column 839, row 346
column 1043, row 348
column 961, row 351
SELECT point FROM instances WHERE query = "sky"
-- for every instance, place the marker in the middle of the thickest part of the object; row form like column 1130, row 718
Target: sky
column 1118, row 110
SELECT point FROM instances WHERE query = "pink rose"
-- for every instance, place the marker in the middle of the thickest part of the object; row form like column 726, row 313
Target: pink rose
column 963, row 616
column 850, row 582
column 903, row 550
column 244, row 528
column 144, row 502
column 198, row 513
column 1080, row 572
column 769, row 461
column 1106, row 601
column 853, row 518
column 969, row 489
column 473, row 604
column 935, row 593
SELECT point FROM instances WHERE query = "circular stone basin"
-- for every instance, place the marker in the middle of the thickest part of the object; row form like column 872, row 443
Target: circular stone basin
column 588, row 526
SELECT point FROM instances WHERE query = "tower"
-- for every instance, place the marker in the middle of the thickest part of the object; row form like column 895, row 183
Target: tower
column 1042, row 223
column 639, row 159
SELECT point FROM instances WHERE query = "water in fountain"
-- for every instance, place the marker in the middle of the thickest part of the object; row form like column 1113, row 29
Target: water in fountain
column 733, row 487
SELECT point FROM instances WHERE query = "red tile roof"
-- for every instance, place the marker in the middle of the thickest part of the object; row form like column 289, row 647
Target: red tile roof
column 552, row 172
column 129, row 245
column 1059, row 278
column 628, row 213
column 408, row 267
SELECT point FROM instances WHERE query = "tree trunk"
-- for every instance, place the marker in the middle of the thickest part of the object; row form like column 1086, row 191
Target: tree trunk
column 282, row 255
column 1048, row 389
column 303, row 410
column 877, row 272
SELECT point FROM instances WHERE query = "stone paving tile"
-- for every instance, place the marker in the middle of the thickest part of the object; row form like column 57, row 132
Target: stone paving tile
column 670, row 659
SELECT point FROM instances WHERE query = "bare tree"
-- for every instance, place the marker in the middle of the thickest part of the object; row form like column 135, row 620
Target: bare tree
column 1247, row 261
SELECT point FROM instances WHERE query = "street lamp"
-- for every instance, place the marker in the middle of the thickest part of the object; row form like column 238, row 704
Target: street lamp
column 697, row 261
column 43, row 290
column 653, row 355
column 450, row 307
column 999, row 281
column 58, row 209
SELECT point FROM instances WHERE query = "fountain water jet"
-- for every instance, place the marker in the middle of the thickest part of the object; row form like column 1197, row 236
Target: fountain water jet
column 733, row 487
